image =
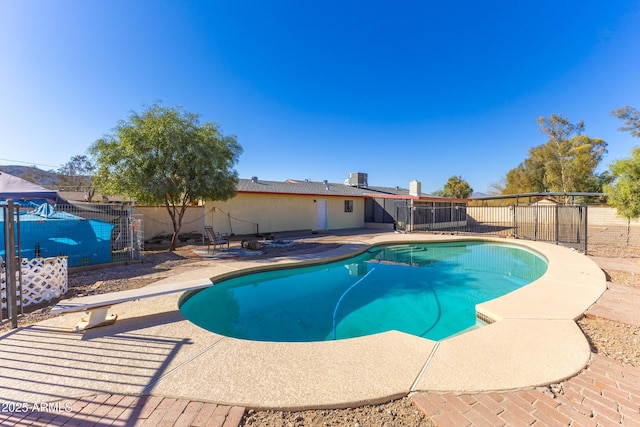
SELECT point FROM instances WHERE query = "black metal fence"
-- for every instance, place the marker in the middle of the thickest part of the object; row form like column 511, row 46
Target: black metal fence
column 565, row 225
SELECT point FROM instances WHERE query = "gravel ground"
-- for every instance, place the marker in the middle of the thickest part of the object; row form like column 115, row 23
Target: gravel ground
column 400, row 413
column 613, row 339
column 630, row 253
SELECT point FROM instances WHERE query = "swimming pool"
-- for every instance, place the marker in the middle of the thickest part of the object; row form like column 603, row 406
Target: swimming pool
column 424, row 289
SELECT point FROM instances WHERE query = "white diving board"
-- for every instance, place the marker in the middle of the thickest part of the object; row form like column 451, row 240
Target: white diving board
column 97, row 306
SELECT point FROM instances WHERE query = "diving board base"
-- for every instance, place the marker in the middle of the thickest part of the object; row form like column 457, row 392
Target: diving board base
column 96, row 317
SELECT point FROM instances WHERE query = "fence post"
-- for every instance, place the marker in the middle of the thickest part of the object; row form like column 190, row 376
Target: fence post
column 585, row 228
column 535, row 222
column 557, row 221
column 412, row 221
column 10, row 264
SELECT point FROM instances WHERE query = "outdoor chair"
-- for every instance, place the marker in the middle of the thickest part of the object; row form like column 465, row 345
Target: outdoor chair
column 215, row 239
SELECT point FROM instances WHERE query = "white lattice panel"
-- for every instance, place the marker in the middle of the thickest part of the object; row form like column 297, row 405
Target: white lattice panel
column 43, row 279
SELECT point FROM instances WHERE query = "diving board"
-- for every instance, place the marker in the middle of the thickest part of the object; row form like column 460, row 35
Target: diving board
column 97, row 306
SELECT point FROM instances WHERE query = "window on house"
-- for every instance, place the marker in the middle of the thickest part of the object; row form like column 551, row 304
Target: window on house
column 348, row 205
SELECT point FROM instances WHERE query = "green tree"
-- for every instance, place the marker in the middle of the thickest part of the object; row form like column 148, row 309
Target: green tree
column 585, row 156
column 457, row 187
column 76, row 174
column 624, row 191
column 622, row 186
column 602, row 180
column 517, row 181
column 565, row 163
column 166, row 156
column 528, row 176
column 536, row 165
column 631, row 117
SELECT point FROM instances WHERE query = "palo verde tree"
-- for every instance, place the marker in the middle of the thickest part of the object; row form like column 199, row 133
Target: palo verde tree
column 624, row 190
column 166, row 156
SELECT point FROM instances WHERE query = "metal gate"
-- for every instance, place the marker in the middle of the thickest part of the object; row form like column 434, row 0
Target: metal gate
column 403, row 217
column 565, row 225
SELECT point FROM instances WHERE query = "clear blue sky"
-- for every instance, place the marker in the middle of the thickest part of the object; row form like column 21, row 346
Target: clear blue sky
column 317, row 89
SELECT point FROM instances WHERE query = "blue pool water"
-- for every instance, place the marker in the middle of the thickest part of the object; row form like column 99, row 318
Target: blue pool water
column 429, row 290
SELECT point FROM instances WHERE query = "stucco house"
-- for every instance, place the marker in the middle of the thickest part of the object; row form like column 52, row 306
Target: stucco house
column 276, row 206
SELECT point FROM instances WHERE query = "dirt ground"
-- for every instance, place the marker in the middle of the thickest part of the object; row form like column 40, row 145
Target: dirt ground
column 613, row 339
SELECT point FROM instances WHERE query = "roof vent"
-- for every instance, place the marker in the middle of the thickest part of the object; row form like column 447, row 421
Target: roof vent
column 357, row 179
column 254, row 179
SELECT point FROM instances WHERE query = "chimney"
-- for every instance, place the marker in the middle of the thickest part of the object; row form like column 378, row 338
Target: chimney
column 415, row 188
column 254, row 179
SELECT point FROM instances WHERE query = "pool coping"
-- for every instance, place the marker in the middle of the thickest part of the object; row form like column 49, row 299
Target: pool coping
column 533, row 341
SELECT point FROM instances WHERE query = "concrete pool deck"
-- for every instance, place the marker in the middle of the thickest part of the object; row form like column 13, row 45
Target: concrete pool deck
column 152, row 349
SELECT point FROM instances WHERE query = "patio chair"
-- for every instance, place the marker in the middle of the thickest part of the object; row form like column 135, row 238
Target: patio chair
column 215, row 239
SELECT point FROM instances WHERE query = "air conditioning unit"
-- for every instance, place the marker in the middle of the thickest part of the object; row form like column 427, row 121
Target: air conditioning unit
column 357, row 179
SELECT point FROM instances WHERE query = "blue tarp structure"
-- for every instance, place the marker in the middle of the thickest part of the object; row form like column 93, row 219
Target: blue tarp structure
column 46, row 232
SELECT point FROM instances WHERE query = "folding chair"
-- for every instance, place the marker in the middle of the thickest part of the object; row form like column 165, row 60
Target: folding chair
column 215, row 240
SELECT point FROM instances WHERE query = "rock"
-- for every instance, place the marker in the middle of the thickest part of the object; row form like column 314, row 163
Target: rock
column 251, row 244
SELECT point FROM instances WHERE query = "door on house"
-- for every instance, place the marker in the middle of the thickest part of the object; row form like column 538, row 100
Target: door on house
column 321, row 217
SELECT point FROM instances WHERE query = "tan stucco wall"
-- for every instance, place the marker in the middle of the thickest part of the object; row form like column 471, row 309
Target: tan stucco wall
column 490, row 213
column 339, row 219
column 156, row 220
column 605, row 215
column 279, row 212
column 239, row 215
